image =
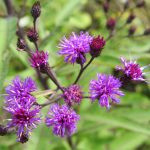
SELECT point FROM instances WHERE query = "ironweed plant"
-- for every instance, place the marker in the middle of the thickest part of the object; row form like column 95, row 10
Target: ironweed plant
column 78, row 49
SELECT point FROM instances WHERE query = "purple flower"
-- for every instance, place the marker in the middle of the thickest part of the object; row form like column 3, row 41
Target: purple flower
column 105, row 88
column 24, row 120
column 39, row 59
column 75, row 47
column 72, row 94
column 21, row 91
column 132, row 70
column 63, row 120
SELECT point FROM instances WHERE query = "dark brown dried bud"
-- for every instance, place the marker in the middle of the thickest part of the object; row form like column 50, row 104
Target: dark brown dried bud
column 130, row 18
column 32, row 35
column 111, row 23
column 105, row 6
column 36, row 10
column 147, row 31
column 132, row 30
column 21, row 44
column 3, row 130
column 140, row 3
column 23, row 138
column 96, row 46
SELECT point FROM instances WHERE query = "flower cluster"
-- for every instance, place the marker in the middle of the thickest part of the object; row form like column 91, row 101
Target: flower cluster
column 77, row 46
column 20, row 105
column 62, row 119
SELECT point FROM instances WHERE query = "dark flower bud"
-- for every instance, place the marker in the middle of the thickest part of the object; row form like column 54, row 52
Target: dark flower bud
column 147, row 31
column 32, row 35
column 105, row 6
column 111, row 23
column 23, row 138
column 39, row 59
column 140, row 3
column 36, row 10
column 3, row 130
column 130, row 18
column 132, row 30
column 21, row 44
column 96, row 46
column 126, row 5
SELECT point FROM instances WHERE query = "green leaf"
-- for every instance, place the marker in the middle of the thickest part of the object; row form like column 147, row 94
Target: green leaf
column 117, row 121
column 128, row 141
column 66, row 11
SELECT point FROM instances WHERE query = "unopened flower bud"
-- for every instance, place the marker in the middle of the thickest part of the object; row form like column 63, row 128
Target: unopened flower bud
column 147, row 31
column 32, row 35
column 21, row 44
column 3, row 130
column 140, row 3
column 39, row 60
column 96, row 46
column 111, row 23
column 130, row 18
column 36, row 10
column 105, row 6
column 126, row 5
column 132, row 30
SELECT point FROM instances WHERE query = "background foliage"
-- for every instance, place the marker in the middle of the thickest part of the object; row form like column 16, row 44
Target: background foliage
column 124, row 127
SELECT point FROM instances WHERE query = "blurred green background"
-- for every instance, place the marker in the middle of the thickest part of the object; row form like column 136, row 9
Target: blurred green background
column 123, row 127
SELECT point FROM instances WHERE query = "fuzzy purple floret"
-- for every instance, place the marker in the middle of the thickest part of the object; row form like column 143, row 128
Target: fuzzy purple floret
column 24, row 119
column 104, row 89
column 132, row 70
column 21, row 91
column 75, row 47
column 20, row 104
column 62, row 119
column 72, row 95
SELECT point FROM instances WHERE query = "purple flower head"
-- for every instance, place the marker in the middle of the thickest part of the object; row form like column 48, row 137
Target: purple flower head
column 21, row 91
column 63, row 120
column 24, row 119
column 75, row 47
column 105, row 88
column 132, row 70
column 39, row 59
column 72, row 94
